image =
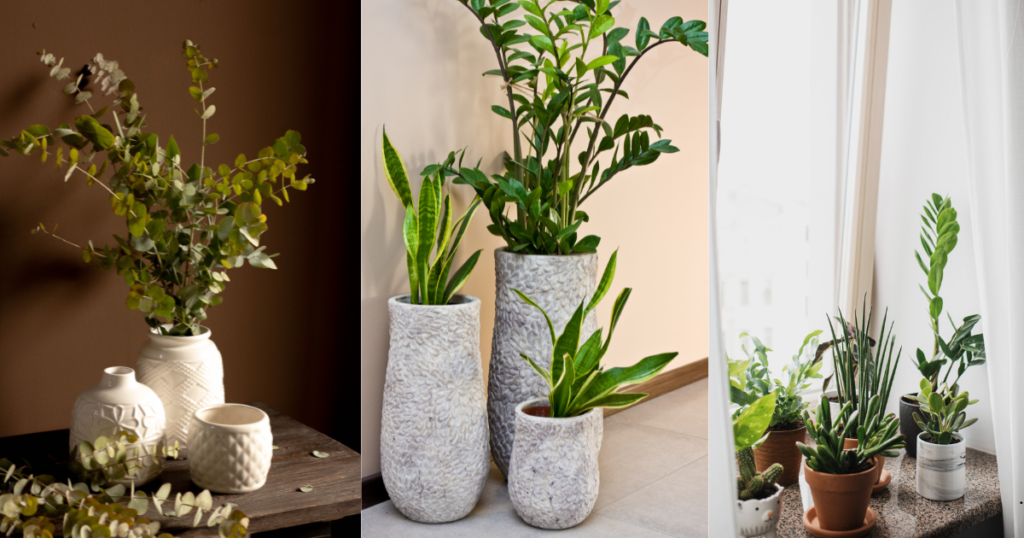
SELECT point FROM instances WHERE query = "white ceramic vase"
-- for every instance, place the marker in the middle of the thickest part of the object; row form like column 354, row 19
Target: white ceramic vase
column 941, row 469
column 759, row 517
column 553, row 475
column 433, row 438
column 230, row 448
column 120, row 403
column 187, row 373
column 558, row 284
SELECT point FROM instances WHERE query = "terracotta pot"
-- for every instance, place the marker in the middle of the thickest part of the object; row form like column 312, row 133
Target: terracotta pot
column 780, row 447
column 852, row 443
column 840, row 500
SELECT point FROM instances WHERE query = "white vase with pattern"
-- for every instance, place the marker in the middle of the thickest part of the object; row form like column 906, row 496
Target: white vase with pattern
column 120, row 403
column 187, row 373
column 558, row 284
column 230, row 448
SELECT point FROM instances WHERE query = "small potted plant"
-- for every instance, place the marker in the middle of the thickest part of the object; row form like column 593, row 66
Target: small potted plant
column 757, row 512
column 186, row 224
column 963, row 349
column 553, row 474
column 433, row 438
column 941, row 451
column 750, row 380
column 841, row 479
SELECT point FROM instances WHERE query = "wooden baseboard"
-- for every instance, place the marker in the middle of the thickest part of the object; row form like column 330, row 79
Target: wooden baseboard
column 375, row 493
column 666, row 382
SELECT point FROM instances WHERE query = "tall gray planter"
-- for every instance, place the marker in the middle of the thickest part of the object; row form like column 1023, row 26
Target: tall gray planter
column 558, row 284
column 433, row 435
column 553, row 476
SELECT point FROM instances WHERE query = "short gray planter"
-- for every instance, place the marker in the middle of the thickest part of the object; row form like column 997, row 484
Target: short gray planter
column 433, row 435
column 558, row 284
column 553, row 475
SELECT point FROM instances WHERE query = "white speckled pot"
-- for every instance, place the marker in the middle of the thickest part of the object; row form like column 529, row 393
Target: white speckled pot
column 553, row 475
column 433, row 435
column 231, row 448
column 759, row 517
column 556, row 283
column 941, row 469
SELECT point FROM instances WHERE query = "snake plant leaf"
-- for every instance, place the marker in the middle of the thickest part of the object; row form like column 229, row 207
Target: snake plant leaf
column 542, row 372
column 461, row 224
column 527, row 300
column 613, row 400
column 411, row 235
column 620, row 304
column 588, row 356
column 608, row 380
column 446, row 230
column 751, row 424
column 561, row 395
column 568, row 342
column 460, row 277
column 394, row 170
column 604, row 284
column 427, row 218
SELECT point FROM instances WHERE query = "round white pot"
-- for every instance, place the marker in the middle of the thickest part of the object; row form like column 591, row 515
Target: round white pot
column 231, row 448
column 558, row 284
column 433, row 435
column 553, row 475
column 833, row 407
column 759, row 517
column 187, row 373
column 120, row 403
column 941, row 469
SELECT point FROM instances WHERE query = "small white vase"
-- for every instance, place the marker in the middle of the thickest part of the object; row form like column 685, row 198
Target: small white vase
column 187, row 373
column 120, row 403
column 553, row 475
column 759, row 517
column 231, row 447
column 941, row 469
column 433, row 437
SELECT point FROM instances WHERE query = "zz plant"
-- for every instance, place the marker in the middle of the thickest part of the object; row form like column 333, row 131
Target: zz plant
column 877, row 435
column 428, row 279
column 748, row 430
column 942, row 414
column 554, row 94
column 187, row 224
column 750, row 381
column 576, row 380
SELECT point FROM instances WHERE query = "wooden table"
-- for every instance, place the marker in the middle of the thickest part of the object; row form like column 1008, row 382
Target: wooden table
column 277, row 505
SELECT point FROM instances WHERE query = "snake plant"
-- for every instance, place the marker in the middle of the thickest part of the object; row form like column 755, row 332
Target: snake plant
column 877, row 435
column 942, row 413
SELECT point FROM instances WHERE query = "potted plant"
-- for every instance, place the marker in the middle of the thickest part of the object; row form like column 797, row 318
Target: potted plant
column 561, row 69
column 433, row 436
column 941, row 451
column 187, row 225
column 750, row 380
column 757, row 512
column 963, row 349
column 841, row 479
column 553, row 473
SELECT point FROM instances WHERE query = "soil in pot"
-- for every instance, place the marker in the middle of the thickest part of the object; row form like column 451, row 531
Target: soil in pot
column 538, row 411
column 908, row 426
column 841, row 501
column 780, row 447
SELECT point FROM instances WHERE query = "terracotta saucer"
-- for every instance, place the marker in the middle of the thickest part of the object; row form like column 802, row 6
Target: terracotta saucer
column 812, row 525
column 883, row 480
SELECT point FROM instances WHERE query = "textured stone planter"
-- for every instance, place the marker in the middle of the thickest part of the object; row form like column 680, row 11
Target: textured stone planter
column 433, row 435
column 941, row 469
column 780, row 447
column 553, row 476
column 558, row 284
column 759, row 517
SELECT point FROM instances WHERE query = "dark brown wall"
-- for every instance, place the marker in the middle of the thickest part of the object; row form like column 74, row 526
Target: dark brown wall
column 62, row 321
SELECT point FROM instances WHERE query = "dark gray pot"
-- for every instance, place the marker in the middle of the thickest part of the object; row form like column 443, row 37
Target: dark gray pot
column 908, row 427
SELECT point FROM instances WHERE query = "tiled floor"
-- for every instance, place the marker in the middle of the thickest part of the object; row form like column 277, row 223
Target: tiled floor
column 654, row 475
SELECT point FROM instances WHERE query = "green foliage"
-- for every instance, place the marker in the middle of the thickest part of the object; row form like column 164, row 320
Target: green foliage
column 576, row 380
column 752, row 484
column 433, row 219
column 750, row 379
column 861, row 376
column 748, row 429
column 876, row 435
column 37, row 505
column 186, row 224
column 552, row 92
column 942, row 414
column 963, row 350
column 113, row 459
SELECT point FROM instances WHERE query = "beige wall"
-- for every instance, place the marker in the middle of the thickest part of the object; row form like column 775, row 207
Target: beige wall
column 424, row 83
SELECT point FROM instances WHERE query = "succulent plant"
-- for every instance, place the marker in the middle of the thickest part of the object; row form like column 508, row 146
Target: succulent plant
column 942, row 413
column 748, row 432
column 877, row 435
column 752, row 484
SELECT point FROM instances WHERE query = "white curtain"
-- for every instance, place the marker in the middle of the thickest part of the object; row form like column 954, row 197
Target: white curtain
column 990, row 36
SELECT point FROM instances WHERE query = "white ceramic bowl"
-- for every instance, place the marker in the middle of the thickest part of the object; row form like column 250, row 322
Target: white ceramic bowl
column 229, row 448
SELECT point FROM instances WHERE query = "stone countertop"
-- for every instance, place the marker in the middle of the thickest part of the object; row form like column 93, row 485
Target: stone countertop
column 902, row 513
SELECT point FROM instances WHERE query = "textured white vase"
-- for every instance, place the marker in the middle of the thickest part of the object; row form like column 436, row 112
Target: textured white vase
column 433, row 435
column 558, row 284
column 553, row 475
column 187, row 373
column 759, row 517
column 230, row 448
column 120, row 403
column 941, row 469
